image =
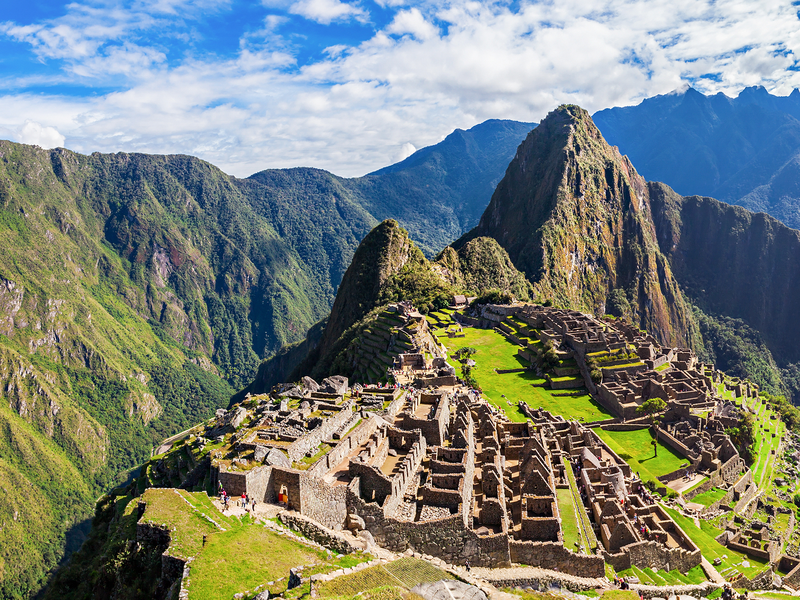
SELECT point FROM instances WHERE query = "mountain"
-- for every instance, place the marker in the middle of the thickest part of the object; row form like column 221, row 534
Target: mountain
column 453, row 180
column 138, row 292
column 388, row 267
column 574, row 216
column 592, row 234
column 742, row 150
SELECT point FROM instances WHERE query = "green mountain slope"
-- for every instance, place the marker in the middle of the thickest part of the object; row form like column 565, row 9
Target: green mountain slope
column 388, row 267
column 138, row 292
column 574, row 216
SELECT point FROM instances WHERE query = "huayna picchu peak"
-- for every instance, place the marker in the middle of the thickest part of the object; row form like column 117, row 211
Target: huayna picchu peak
column 575, row 217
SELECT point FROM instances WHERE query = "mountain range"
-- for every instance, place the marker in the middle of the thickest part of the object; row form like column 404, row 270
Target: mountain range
column 138, row 292
column 743, row 150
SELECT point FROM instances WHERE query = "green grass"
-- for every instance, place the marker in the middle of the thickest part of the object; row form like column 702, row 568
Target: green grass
column 587, row 537
column 569, row 523
column 166, row 507
column 494, row 351
column 241, row 559
column 636, row 448
column 708, row 498
column 704, row 536
column 405, row 573
column 763, row 469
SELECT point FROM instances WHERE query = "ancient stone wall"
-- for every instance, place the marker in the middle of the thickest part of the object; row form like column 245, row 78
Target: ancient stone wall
column 288, row 481
column 309, row 442
column 324, row 503
column 317, row 532
column 670, row 440
column 349, row 443
column 554, row 556
column 235, row 484
column 448, row 538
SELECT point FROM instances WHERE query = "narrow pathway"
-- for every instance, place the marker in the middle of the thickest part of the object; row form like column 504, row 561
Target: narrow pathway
column 712, row 572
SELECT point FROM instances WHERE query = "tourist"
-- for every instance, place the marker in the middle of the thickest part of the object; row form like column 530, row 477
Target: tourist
column 244, row 500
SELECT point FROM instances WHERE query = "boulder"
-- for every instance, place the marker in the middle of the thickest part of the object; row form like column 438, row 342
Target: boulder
column 276, row 458
column 238, row 416
column 309, row 384
column 355, row 522
column 292, row 392
column 335, row 384
column 392, row 452
column 260, row 453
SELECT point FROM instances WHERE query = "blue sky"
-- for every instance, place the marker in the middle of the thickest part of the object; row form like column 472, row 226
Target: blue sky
column 354, row 85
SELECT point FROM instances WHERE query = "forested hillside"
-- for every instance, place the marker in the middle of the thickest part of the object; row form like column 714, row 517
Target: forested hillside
column 137, row 293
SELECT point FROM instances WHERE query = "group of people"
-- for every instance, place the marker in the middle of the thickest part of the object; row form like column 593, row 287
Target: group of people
column 245, row 501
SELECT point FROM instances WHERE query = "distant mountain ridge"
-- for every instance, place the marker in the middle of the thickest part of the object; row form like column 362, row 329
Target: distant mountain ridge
column 742, row 150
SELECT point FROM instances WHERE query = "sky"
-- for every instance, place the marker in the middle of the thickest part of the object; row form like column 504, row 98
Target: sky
column 354, row 85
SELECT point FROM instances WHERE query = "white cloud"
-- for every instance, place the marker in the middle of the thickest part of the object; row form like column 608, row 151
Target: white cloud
column 405, row 151
column 434, row 67
column 412, row 22
column 35, row 133
column 327, row 11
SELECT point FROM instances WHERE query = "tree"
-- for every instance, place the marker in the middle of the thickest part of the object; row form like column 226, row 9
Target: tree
column 653, row 406
column 464, row 356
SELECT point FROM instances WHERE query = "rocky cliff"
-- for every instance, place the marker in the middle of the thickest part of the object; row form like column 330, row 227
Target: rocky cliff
column 575, row 217
column 733, row 262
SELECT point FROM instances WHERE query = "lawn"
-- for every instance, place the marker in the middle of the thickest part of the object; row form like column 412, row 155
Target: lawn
column 405, row 573
column 765, row 443
column 569, row 523
column 708, row 498
column 704, row 536
column 636, row 448
column 241, row 559
column 494, row 351
column 238, row 555
column 648, row 576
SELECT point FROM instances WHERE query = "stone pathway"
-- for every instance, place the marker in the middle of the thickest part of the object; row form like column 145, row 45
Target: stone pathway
column 712, row 572
column 681, row 485
column 448, row 590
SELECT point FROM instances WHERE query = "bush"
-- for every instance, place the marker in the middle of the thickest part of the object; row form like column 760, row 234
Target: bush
column 495, row 296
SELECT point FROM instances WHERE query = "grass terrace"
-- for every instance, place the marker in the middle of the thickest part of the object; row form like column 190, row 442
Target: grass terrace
column 708, row 498
column 404, row 574
column 636, row 448
column 704, row 536
column 494, row 351
column 238, row 555
column 648, row 576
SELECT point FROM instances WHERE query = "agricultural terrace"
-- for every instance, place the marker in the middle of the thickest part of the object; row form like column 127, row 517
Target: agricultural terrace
column 505, row 390
column 238, row 554
column 733, row 562
column 400, row 575
column 636, row 448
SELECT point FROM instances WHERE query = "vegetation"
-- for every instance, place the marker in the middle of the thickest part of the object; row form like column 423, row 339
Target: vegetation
column 405, row 572
column 636, row 448
column 651, row 407
column 506, row 390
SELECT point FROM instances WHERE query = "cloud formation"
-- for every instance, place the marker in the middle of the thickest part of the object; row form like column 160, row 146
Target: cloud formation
column 404, row 79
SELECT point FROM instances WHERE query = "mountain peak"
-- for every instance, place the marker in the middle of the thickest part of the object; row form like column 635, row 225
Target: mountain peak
column 574, row 216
